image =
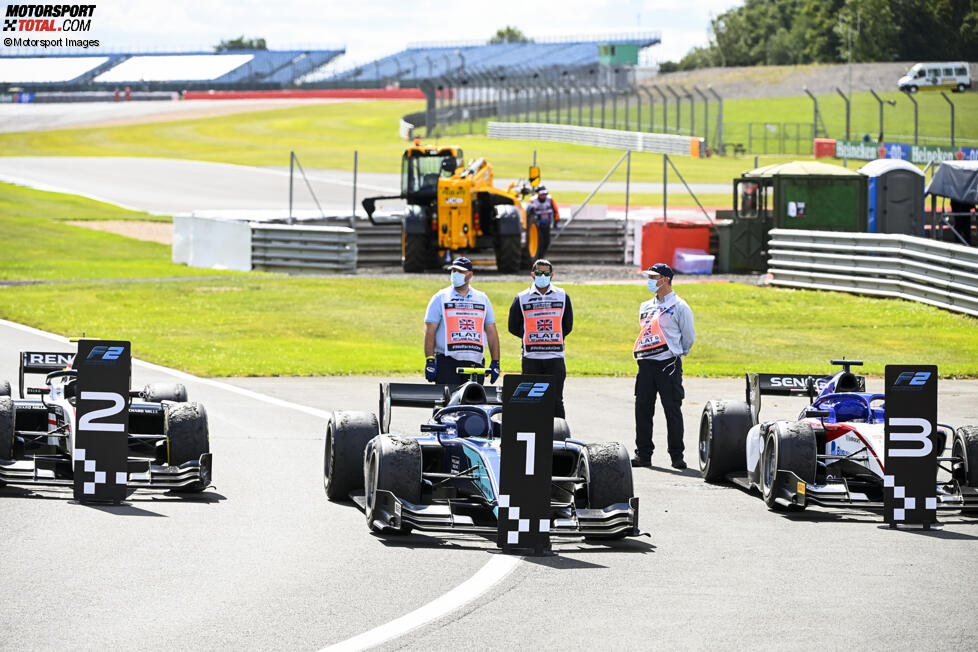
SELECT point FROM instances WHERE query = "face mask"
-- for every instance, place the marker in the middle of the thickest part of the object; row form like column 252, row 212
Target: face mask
column 653, row 287
column 458, row 279
column 541, row 281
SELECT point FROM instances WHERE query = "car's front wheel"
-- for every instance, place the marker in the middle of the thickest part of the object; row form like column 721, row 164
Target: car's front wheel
column 791, row 448
column 187, row 437
column 392, row 464
column 965, row 448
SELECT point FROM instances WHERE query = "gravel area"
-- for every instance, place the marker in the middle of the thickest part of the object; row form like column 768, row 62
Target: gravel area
column 161, row 232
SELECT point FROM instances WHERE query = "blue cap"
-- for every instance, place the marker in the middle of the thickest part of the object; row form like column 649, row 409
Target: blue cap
column 462, row 263
column 659, row 268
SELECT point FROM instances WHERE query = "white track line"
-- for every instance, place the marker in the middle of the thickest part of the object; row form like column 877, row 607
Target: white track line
column 488, row 576
column 495, row 570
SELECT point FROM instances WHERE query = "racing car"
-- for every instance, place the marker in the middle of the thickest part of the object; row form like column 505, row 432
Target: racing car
column 446, row 478
column 833, row 454
column 168, row 438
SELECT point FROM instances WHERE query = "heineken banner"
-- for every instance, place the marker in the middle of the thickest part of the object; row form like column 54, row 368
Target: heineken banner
column 868, row 151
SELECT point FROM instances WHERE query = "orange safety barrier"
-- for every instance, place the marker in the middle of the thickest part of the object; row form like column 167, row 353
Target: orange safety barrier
column 660, row 239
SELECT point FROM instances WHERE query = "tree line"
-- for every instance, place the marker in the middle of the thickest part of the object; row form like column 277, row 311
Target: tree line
column 783, row 32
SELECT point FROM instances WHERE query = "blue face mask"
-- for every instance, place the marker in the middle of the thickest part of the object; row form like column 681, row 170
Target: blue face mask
column 652, row 286
column 458, row 279
column 541, row 281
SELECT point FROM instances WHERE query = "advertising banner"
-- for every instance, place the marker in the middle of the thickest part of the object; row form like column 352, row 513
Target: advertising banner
column 869, row 151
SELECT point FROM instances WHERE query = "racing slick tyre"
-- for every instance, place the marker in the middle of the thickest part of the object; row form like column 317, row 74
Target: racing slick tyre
column 723, row 438
column 384, row 409
column 185, row 427
column 6, row 429
column 4, row 388
column 787, row 447
column 530, row 252
column 561, row 429
column 508, row 254
column 416, row 254
column 392, row 464
column 965, row 472
column 156, row 392
column 347, row 436
column 609, row 475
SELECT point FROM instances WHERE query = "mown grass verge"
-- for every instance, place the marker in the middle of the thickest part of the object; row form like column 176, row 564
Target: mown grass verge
column 36, row 244
column 338, row 326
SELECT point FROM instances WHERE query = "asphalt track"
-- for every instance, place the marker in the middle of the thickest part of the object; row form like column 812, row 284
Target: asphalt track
column 262, row 561
column 173, row 186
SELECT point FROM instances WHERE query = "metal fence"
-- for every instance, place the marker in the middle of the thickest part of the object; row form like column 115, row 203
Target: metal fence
column 900, row 266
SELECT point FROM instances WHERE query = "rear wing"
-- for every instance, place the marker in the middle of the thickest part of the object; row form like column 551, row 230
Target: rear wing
column 787, row 385
column 42, row 362
column 421, row 395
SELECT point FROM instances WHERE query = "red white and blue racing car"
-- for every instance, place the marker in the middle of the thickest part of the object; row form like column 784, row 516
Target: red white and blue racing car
column 833, row 454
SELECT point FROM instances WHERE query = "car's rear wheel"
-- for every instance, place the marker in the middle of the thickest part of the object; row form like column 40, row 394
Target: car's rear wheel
column 7, row 419
column 185, row 427
column 347, row 436
column 723, row 438
column 965, row 447
column 787, row 447
column 912, row 88
column 561, row 429
column 393, row 464
column 156, row 392
column 961, row 88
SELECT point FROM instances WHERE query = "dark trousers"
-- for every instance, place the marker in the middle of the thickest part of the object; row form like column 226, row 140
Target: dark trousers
column 446, row 370
column 543, row 232
column 550, row 367
column 664, row 378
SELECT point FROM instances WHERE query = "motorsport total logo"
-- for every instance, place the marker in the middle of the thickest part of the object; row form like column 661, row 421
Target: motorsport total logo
column 43, row 20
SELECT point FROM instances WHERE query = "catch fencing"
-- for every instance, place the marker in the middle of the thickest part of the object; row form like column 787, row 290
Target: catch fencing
column 899, row 266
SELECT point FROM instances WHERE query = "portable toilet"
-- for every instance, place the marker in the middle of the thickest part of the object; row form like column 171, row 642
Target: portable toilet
column 896, row 197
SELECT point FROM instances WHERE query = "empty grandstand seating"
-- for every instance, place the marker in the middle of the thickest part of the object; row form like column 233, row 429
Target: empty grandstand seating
column 30, row 70
column 166, row 71
column 425, row 62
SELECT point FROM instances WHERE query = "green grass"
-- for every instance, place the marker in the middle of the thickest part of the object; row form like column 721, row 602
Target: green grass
column 325, row 136
column 38, row 245
column 235, row 327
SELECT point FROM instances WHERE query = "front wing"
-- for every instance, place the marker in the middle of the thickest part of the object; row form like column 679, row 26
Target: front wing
column 392, row 512
column 796, row 492
column 142, row 474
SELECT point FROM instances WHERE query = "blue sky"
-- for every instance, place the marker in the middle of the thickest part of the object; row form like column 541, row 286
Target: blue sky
column 373, row 28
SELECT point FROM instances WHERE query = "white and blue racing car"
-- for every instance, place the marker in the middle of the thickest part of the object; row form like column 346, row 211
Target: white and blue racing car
column 832, row 454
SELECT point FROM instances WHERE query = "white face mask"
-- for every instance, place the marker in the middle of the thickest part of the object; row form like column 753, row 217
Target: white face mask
column 541, row 281
column 458, row 279
column 653, row 285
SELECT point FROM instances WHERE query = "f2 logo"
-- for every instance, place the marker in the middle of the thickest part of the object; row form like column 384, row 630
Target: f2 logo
column 105, row 353
column 531, row 390
column 913, row 378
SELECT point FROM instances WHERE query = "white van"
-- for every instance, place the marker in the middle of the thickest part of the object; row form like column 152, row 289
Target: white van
column 955, row 75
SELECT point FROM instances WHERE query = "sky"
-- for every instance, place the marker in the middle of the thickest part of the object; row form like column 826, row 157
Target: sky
column 373, row 28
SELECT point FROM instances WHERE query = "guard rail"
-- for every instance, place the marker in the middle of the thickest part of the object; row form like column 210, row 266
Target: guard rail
column 908, row 267
column 302, row 248
column 635, row 141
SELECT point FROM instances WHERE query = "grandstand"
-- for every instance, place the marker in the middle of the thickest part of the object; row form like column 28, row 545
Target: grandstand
column 173, row 71
column 435, row 60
